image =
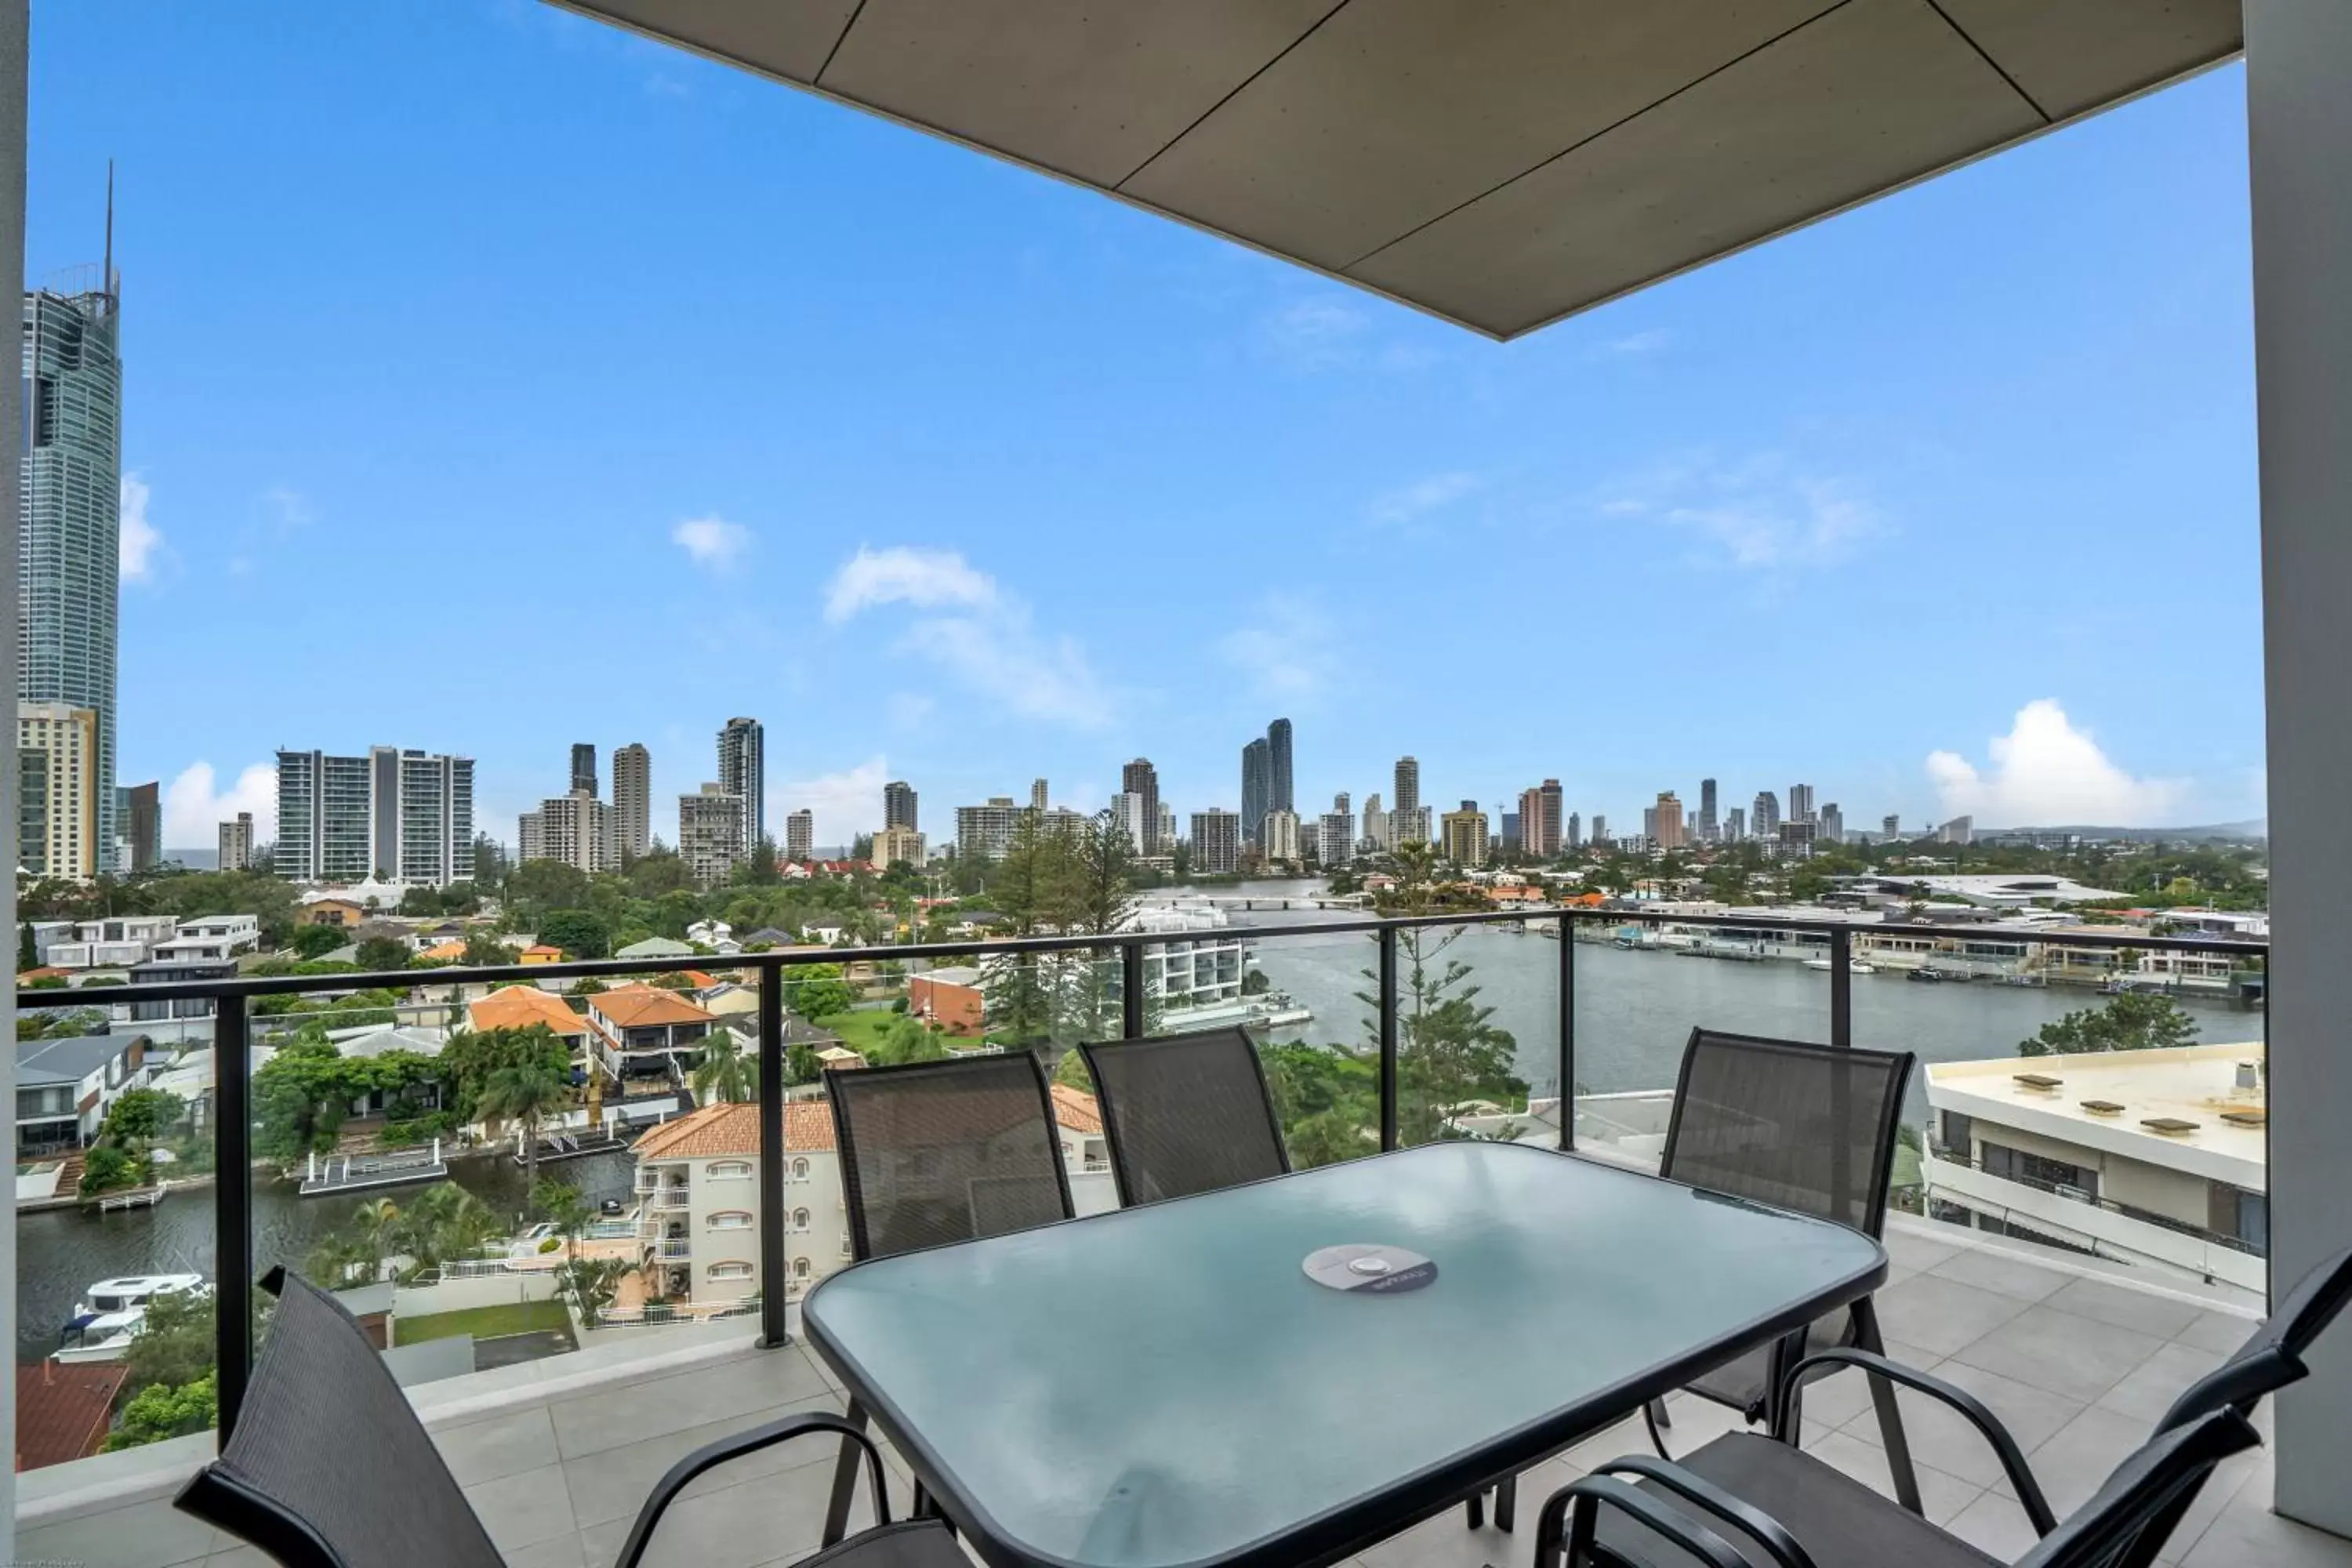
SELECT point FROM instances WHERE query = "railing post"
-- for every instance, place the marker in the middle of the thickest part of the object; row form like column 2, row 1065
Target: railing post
column 1842, row 988
column 1567, row 1031
column 775, row 1275
column 232, row 1208
column 1388, row 984
column 1130, row 992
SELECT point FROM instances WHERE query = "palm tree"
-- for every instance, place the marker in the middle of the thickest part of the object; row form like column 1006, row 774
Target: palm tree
column 723, row 1073
column 525, row 1094
column 449, row 1222
column 591, row 1283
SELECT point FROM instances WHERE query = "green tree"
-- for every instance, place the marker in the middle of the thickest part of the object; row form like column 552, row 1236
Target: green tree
column 143, row 1115
column 483, row 950
column 802, row 1064
column 159, row 1410
column 818, row 991
column 28, row 955
column 526, row 1094
column 580, row 933
column 1449, row 1050
column 381, row 955
column 317, row 941
column 471, row 1058
column 174, row 1346
column 301, row 1097
column 2135, row 1021
column 724, row 1072
column 908, row 1039
column 565, row 1208
column 106, row 1169
column 591, row 1284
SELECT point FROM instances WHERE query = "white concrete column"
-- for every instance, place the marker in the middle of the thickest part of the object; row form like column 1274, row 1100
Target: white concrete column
column 2299, row 115
column 13, row 39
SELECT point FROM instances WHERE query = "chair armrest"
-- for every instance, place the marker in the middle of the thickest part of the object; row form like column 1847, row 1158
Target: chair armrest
column 1555, row 1532
column 1770, row 1532
column 2004, row 1446
column 665, row 1491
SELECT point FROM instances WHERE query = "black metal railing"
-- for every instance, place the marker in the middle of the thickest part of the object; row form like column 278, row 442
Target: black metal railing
column 232, row 1118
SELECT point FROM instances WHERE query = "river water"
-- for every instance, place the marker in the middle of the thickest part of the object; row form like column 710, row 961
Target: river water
column 59, row 1253
column 1635, row 1010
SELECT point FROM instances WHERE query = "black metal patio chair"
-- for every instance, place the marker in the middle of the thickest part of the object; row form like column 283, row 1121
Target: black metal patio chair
column 934, row 1153
column 1185, row 1114
column 1745, row 1502
column 329, row 1467
column 1770, row 1495
column 1807, row 1128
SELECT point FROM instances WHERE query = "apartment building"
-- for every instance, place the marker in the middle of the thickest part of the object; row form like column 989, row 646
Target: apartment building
column 697, row 1192
column 237, row 842
column 1465, row 834
column 1216, row 842
column 710, row 833
column 402, row 817
column 576, row 829
column 632, row 799
column 59, row 818
column 895, row 844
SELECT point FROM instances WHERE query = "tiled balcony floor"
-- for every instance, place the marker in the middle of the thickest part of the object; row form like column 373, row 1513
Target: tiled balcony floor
column 2077, row 1364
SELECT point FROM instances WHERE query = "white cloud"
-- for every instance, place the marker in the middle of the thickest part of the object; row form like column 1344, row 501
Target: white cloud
column 1765, row 513
column 1633, row 345
column 989, row 645
column 1434, row 493
column 904, row 574
column 139, row 541
column 846, row 804
column 290, row 508
column 194, row 807
column 712, row 542
column 1286, row 650
column 1316, row 333
column 2045, row 772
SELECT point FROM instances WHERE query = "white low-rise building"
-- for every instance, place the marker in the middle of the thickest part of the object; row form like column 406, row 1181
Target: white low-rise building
column 2156, row 1157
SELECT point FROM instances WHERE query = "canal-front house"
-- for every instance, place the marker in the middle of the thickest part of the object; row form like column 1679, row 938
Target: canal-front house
column 645, row 1032
column 520, row 1006
column 64, row 1088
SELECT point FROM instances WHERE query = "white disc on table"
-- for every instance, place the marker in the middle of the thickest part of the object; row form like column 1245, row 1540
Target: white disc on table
column 1368, row 1267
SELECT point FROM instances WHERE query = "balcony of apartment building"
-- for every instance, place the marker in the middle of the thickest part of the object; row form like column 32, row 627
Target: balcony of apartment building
column 1539, row 174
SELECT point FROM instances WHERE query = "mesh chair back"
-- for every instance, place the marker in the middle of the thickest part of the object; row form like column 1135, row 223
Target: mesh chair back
column 938, row 1152
column 328, row 1467
column 2130, row 1519
column 2273, row 1356
column 1185, row 1114
column 1801, row 1127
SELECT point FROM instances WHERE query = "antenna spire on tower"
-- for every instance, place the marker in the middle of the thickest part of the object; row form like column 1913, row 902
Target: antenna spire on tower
column 106, row 271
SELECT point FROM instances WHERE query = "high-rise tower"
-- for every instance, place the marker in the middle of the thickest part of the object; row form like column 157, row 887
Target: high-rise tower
column 1140, row 779
column 1258, row 785
column 898, row 804
column 743, row 770
column 70, row 506
column 584, row 767
column 1279, row 793
column 632, row 801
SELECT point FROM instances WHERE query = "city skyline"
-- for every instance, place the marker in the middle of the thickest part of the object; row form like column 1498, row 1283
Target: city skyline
column 1679, row 447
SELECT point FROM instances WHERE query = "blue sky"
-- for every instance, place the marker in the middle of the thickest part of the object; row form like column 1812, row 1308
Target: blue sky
column 496, row 381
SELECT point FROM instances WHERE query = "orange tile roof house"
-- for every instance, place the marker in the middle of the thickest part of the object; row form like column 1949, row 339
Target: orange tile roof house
column 645, row 1031
column 63, row 1410
column 520, row 1006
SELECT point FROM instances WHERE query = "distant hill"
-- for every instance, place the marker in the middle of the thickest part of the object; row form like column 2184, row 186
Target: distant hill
column 2259, row 827
column 195, row 859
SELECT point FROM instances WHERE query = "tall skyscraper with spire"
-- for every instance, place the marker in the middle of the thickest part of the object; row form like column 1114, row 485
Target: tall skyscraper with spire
column 1280, row 793
column 69, row 509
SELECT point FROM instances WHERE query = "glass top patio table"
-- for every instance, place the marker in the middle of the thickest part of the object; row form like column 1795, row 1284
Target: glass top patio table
column 1165, row 1386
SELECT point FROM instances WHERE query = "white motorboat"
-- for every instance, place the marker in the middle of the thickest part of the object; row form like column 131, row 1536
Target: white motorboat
column 1856, row 967
column 113, row 1312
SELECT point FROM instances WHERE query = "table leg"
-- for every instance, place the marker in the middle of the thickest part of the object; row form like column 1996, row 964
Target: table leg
column 1506, row 1503
column 845, row 1479
column 1476, row 1508
column 1890, row 1414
